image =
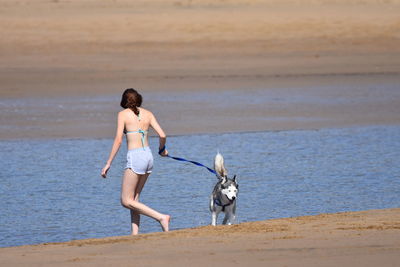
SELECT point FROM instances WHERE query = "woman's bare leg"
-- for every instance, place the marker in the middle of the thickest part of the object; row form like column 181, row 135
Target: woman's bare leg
column 130, row 186
column 135, row 222
column 135, row 216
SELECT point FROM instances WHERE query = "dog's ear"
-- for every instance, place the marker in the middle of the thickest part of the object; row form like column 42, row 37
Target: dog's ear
column 235, row 181
column 234, row 178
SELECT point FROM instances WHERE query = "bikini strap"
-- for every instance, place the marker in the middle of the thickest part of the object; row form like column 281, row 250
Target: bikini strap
column 143, row 133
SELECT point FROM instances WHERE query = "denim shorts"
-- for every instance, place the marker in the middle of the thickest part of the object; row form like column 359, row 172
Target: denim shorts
column 140, row 160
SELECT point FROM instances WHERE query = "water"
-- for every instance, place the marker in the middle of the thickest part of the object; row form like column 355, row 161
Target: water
column 51, row 190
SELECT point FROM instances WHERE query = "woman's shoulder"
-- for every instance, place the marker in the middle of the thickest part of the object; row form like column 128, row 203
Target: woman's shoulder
column 124, row 111
column 145, row 112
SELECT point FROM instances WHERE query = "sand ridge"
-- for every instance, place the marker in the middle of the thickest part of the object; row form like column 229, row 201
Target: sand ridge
column 362, row 238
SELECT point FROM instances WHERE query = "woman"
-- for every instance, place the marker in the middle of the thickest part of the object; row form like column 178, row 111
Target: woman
column 135, row 121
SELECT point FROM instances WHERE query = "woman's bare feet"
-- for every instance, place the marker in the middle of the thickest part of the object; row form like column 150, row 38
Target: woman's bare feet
column 164, row 221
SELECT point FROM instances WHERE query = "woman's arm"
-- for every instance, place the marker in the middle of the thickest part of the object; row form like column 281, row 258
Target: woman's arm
column 117, row 144
column 163, row 137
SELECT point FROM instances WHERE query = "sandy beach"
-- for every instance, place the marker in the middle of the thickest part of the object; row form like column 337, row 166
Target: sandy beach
column 173, row 50
column 366, row 238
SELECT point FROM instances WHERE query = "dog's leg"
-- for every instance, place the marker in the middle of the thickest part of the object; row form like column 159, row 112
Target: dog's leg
column 229, row 219
column 214, row 214
column 229, row 215
column 232, row 218
column 226, row 218
column 214, row 218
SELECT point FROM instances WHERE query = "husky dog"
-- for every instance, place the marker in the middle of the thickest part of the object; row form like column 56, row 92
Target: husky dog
column 223, row 197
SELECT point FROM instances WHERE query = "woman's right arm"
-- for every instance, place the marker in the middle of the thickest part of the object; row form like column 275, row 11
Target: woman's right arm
column 163, row 137
column 116, row 145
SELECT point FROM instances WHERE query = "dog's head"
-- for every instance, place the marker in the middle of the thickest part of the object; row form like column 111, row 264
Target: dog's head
column 230, row 188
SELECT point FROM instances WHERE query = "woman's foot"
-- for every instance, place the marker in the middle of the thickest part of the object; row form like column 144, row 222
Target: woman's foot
column 164, row 221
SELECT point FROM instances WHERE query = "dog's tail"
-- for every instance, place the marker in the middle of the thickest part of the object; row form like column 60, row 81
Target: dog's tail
column 219, row 166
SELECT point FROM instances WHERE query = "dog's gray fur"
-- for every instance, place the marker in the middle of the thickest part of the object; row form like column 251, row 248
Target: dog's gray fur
column 224, row 195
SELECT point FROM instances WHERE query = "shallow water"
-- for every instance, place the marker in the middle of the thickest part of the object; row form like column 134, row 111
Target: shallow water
column 51, row 190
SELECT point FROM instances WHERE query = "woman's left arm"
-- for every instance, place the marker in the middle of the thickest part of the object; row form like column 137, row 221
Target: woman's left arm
column 116, row 145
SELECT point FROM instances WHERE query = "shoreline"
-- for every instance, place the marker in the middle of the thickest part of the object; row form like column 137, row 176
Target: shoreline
column 353, row 126
column 283, row 104
column 145, row 236
column 359, row 238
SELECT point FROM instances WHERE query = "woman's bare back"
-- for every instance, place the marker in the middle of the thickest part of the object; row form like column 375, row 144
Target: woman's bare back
column 137, row 127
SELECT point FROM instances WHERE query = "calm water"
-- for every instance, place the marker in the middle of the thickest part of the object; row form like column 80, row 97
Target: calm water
column 50, row 190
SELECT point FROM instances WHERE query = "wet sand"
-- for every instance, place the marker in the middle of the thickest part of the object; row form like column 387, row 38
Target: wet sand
column 366, row 238
column 344, row 52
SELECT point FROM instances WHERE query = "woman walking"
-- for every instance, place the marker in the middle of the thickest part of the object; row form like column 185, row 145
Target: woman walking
column 135, row 122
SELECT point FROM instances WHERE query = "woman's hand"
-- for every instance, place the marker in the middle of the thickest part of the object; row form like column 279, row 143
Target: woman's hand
column 105, row 170
column 164, row 153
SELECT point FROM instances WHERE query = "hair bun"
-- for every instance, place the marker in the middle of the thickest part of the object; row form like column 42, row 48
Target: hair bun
column 131, row 99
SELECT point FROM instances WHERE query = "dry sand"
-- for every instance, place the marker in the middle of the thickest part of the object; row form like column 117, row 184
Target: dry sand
column 366, row 238
column 170, row 48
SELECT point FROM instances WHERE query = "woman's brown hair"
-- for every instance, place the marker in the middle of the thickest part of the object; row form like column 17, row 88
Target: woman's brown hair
column 131, row 99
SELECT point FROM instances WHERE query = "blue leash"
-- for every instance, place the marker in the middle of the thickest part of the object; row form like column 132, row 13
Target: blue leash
column 185, row 160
